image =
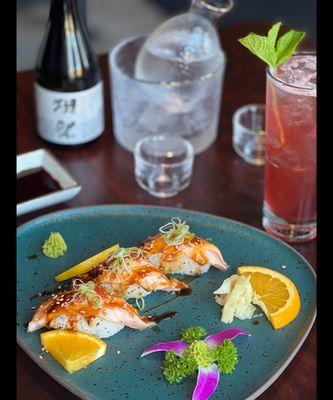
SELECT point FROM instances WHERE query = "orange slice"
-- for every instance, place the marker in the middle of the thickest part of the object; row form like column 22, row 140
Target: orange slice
column 73, row 350
column 274, row 293
column 86, row 265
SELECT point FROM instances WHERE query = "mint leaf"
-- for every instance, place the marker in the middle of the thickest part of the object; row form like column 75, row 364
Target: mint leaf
column 260, row 47
column 272, row 34
column 270, row 51
column 286, row 45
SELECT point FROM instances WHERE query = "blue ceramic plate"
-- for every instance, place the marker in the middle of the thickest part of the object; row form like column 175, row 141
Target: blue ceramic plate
column 121, row 374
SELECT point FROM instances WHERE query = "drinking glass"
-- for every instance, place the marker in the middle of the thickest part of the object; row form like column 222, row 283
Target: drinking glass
column 290, row 173
column 249, row 135
column 163, row 164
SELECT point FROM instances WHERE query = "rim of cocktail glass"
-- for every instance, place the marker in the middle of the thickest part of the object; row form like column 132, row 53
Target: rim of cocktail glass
column 189, row 157
column 269, row 72
column 240, row 110
column 114, row 65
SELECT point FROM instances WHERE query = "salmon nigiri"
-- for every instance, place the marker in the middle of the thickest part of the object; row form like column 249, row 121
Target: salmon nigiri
column 129, row 274
column 88, row 309
column 178, row 251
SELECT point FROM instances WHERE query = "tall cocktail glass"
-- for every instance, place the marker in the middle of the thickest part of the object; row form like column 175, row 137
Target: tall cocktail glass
column 291, row 130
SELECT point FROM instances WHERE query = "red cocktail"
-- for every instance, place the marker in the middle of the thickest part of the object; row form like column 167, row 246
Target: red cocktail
column 290, row 179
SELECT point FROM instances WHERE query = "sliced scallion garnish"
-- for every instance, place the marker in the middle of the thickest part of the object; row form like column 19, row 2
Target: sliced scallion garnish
column 142, row 305
column 87, row 292
column 175, row 231
column 123, row 256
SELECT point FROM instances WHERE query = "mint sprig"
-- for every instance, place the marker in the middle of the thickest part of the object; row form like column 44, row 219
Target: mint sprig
column 270, row 50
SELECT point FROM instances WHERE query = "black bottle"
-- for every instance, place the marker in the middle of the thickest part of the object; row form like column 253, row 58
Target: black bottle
column 68, row 87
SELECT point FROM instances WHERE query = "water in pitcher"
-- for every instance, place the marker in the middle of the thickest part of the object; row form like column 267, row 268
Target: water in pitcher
column 185, row 54
column 185, row 48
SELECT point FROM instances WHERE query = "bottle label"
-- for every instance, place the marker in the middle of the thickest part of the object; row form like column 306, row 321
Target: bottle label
column 70, row 117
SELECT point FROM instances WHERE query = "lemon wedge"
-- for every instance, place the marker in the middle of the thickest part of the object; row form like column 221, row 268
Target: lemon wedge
column 86, row 265
column 73, row 350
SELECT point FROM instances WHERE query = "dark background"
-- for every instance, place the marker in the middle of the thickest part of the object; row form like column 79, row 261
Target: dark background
column 110, row 21
column 299, row 14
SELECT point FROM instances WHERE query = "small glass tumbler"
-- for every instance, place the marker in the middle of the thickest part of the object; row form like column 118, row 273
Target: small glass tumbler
column 163, row 164
column 249, row 133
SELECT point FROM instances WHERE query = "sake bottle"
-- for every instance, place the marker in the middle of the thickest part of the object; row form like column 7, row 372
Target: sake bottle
column 68, row 86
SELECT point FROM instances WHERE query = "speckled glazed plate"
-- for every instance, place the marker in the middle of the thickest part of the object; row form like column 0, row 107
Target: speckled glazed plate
column 121, row 373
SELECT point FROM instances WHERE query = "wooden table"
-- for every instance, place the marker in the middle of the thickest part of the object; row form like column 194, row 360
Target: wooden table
column 222, row 184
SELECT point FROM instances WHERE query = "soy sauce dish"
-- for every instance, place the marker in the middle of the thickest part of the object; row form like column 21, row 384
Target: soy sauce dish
column 42, row 181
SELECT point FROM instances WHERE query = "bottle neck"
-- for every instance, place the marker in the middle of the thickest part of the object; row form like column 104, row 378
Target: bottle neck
column 211, row 9
column 65, row 11
column 65, row 58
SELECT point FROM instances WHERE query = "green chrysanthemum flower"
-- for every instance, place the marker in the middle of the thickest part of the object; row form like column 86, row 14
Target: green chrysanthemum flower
column 190, row 365
column 173, row 367
column 197, row 355
column 225, row 356
column 201, row 353
column 193, row 333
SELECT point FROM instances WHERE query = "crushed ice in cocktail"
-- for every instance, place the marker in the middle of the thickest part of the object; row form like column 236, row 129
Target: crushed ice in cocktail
column 300, row 70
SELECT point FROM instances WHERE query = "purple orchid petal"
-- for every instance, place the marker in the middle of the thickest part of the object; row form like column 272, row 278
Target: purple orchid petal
column 178, row 346
column 217, row 338
column 207, row 381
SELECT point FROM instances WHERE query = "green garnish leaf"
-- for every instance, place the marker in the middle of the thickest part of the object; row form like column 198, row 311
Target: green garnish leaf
column 268, row 49
column 55, row 246
column 190, row 365
column 286, row 45
column 198, row 355
column 272, row 34
column 193, row 333
column 173, row 367
column 201, row 353
column 225, row 356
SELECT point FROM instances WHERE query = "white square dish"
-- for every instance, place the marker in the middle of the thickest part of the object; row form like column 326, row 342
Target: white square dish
column 44, row 159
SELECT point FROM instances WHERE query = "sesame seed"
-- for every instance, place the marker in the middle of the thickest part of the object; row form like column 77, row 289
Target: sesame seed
column 41, row 357
column 283, row 266
column 118, row 352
